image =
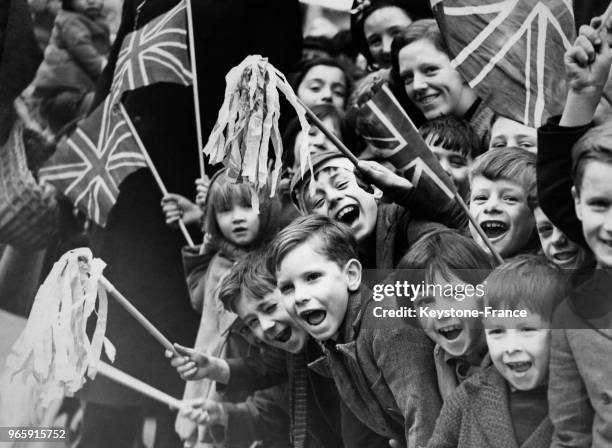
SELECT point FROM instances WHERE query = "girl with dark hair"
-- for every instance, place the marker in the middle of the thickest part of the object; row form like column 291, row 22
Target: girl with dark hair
column 422, row 65
column 321, row 81
column 375, row 23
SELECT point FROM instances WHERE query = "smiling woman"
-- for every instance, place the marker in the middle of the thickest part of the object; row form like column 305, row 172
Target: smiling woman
column 421, row 63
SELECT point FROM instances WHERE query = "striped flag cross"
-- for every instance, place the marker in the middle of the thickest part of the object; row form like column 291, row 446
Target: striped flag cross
column 511, row 52
column 89, row 165
column 155, row 53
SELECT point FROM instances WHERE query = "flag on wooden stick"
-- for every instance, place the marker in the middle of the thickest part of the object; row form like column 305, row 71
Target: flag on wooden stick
column 511, row 52
column 155, row 53
column 384, row 125
column 89, row 165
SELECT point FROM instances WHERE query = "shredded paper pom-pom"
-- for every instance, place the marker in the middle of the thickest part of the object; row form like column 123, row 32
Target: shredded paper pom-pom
column 248, row 122
column 54, row 347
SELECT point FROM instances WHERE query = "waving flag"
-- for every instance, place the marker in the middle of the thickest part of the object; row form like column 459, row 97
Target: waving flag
column 382, row 122
column 89, row 165
column 155, row 53
column 511, row 52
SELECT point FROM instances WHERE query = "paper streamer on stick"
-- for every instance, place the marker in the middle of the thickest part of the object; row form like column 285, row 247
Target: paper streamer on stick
column 54, row 347
column 248, row 122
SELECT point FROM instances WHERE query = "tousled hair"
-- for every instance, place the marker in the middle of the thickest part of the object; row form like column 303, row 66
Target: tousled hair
column 513, row 164
column 526, row 282
column 249, row 278
column 453, row 134
column 447, row 253
column 330, row 238
column 595, row 145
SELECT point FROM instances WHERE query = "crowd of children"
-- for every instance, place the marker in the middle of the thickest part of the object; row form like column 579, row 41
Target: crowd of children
column 526, row 363
column 292, row 348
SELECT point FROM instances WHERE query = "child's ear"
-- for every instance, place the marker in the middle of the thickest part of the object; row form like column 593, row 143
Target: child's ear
column 576, row 196
column 377, row 193
column 352, row 271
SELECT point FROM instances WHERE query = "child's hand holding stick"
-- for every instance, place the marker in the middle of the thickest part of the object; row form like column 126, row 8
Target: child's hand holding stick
column 193, row 365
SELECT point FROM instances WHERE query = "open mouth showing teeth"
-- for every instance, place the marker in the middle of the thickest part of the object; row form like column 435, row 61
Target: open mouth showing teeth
column 564, row 256
column 494, row 229
column 450, row 333
column 428, row 98
column 313, row 317
column 519, row 367
column 348, row 215
column 284, row 335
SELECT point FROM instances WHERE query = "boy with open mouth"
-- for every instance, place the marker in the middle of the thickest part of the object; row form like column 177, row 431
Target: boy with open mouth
column 384, row 231
column 502, row 185
column 506, row 404
column 249, row 290
column 439, row 259
column 384, row 375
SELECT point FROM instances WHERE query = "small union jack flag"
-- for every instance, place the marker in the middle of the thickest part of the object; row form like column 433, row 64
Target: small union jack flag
column 395, row 138
column 89, row 165
column 511, row 52
column 155, row 53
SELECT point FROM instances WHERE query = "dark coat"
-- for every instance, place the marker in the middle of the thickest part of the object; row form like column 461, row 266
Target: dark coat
column 554, row 176
column 323, row 402
column 384, row 372
column 580, row 391
column 76, row 53
column 477, row 416
column 19, row 58
column 142, row 253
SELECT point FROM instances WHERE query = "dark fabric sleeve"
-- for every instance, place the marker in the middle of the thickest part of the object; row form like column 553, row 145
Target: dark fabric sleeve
column 77, row 38
column 355, row 433
column 569, row 407
column 554, row 176
column 449, row 213
column 256, row 372
column 262, row 415
column 448, row 425
column 404, row 359
column 194, row 267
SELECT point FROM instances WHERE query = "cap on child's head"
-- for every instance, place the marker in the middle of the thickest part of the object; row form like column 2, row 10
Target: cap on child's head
column 320, row 161
column 528, row 282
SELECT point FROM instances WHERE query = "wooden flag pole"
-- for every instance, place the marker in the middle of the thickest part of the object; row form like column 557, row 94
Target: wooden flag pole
column 336, row 141
column 131, row 309
column 478, row 229
column 156, row 175
column 329, row 134
column 195, row 89
column 139, row 386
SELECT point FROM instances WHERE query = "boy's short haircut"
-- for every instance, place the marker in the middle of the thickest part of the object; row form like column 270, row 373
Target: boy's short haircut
column 453, row 134
column 512, row 164
column 446, row 252
column 595, row 145
column 249, row 278
column 528, row 282
column 334, row 240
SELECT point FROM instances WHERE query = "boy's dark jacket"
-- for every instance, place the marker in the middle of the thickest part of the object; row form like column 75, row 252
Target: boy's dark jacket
column 323, row 415
column 580, row 391
column 477, row 416
column 384, row 372
column 554, row 176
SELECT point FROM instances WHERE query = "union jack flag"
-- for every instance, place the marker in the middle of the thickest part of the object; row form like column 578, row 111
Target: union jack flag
column 155, row 53
column 511, row 52
column 395, row 138
column 89, row 165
